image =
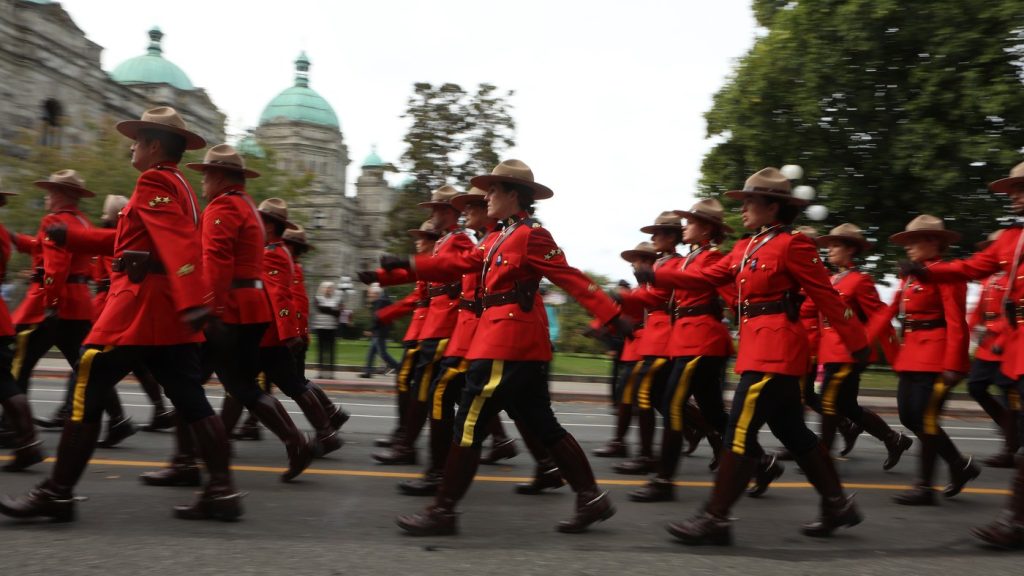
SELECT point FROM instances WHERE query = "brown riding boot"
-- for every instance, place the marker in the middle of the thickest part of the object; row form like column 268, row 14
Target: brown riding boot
column 646, row 462
column 53, row 497
column 119, row 425
column 896, row 443
column 327, row 438
column 592, row 504
column 219, row 500
column 768, row 470
column 440, row 443
column 18, row 413
column 401, row 402
column 695, row 427
column 712, row 524
column 1006, row 458
column 546, row 475
column 1008, row 531
column 715, row 441
column 961, row 470
column 660, row 488
column 502, row 447
column 335, row 414
column 829, row 424
column 274, row 416
column 230, row 413
column 922, row 494
column 403, row 451
column 616, row 447
column 183, row 469
column 439, row 519
column 837, row 510
column 851, row 431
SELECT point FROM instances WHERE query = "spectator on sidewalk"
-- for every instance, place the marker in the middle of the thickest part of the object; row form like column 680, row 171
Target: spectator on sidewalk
column 325, row 323
column 378, row 333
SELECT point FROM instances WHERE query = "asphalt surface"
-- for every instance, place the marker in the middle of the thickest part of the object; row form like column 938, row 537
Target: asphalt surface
column 339, row 517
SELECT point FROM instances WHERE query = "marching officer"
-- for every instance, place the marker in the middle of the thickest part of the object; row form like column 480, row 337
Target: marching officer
column 987, row 319
column 1002, row 255
column 17, row 411
column 157, row 304
column 842, row 375
column 768, row 269
column 436, row 331
column 232, row 251
column 511, row 348
column 933, row 356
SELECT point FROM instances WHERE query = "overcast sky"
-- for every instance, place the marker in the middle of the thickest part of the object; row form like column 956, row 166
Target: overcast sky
column 609, row 95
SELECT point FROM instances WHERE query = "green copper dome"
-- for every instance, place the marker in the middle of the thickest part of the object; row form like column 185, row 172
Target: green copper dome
column 300, row 103
column 152, row 67
column 373, row 159
column 248, row 146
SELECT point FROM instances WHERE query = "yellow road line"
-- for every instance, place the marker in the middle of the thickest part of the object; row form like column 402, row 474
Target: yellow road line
column 486, row 478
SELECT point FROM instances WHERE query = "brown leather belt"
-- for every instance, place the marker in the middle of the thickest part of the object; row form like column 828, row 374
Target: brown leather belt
column 911, row 325
column 103, row 285
column 700, row 310
column 247, row 283
column 752, row 309
column 78, row 279
column 500, row 298
column 153, row 265
column 991, row 315
column 473, row 306
column 450, row 290
column 425, row 303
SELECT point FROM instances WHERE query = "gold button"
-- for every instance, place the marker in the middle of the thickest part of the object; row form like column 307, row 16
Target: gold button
column 742, row 280
column 510, row 315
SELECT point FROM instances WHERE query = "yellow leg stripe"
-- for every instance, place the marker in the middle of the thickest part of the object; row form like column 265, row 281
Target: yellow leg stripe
column 428, row 374
column 21, row 342
column 643, row 398
column 403, row 372
column 442, row 385
column 628, row 389
column 84, row 369
column 682, row 387
column 1013, row 399
column 828, row 396
column 931, row 412
column 739, row 439
column 497, row 368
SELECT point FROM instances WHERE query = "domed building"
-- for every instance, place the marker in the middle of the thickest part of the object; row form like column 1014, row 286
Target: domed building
column 56, row 91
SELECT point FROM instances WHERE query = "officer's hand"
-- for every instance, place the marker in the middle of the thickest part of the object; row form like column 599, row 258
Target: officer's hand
column 622, row 326
column 862, row 356
column 952, row 377
column 197, row 317
column 215, row 329
column 50, row 313
column 293, row 344
column 916, row 269
column 644, row 273
column 368, row 277
column 57, row 233
column 391, row 262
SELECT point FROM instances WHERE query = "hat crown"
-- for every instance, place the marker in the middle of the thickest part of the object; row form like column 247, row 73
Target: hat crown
column 926, row 223
column 514, row 169
column 1017, row 171
column 767, row 179
column 445, row 194
column 225, row 155
column 709, row 207
column 164, row 115
column 646, row 247
column 297, row 234
column 67, row 178
column 668, row 218
column 847, row 229
column 275, row 207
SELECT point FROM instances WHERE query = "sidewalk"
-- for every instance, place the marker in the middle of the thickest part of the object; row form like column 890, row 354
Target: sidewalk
column 346, row 379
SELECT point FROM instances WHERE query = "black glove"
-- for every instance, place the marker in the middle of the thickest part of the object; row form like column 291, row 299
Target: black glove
column 391, row 262
column 862, row 356
column 50, row 313
column 916, row 269
column 368, row 276
column 57, row 233
column 294, row 344
column 197, row 317
column 644, row 274
column 622, row 326
column 215, row 330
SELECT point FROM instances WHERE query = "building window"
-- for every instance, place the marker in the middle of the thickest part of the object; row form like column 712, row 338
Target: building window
column 52, row 117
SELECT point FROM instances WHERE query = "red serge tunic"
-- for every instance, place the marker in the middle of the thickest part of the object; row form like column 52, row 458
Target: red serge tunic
column 858, row 290
column 811, row 320
column 520, row 255
column 467, row 322
column 233, row 246
column 415, row 303
column 765, row 268
column 73, row 300
column 277, row 281
column 301, row 300
column 701, row 334
column 1000, row 255
column 657, row 318
column 988, row 315
column 929, row 349
column 161, row 218
column 444, row 310
column 101, row 276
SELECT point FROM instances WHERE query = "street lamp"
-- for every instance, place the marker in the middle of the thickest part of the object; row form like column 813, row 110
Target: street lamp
column 792, row 172
column 318, row 219
column 816, row 212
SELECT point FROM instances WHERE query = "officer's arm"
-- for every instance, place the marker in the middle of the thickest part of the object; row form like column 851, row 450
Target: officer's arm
column 726, row 291
column 546, row 258
column 449, row 264
column 954, row 305
column 277, row 276
column 403, row 307
column 976, row 317
column 84, row 240
column 394, row 277
column 56, row 263
column 24, row 243
column 220, row 231
column 647, row 296
column 803, row 263
column 718, row 274
column 872, row 306
column 979, row 265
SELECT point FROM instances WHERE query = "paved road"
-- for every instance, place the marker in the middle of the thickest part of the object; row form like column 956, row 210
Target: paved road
column 339, row 518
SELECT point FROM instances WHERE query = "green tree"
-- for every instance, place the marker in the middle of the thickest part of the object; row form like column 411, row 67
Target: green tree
column 893, row 108
column 453, row 135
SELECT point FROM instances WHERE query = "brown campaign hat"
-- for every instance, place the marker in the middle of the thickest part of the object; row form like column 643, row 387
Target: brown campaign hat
column 297, row 235
column 767, row 182
column 924, row 225
column 848, row 233
column 426, row 230
column 474, row 196
column 162, row 118
column 223, row 157
column 665, row 221
column 442, row 197
column 513, row 172
column 67, row 181
column 113, row 204
column 4, row 191
column 1006, row 185
column 708, row 210
column 277, row 209
column 643, row 251
column 989, row 240
column 809, row 231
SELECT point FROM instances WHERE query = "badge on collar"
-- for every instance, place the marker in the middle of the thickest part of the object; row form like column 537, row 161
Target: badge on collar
column 497, row 261
column 753, row 264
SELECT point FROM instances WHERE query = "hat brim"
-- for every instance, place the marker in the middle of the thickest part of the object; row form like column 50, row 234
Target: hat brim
column 59, row 187
column 540, row 191
column 655, row 227
column 1007, row 185
column 287, row 223
column 634, row 255
column 906, row 237
column 704, row 218
column 8, row 193
column 130, row 128
column 432, row 205
column 461, row 201
column 299, row 243
column 827, row 239
column 203, row 167
column 741, row 194
column 416, row 233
